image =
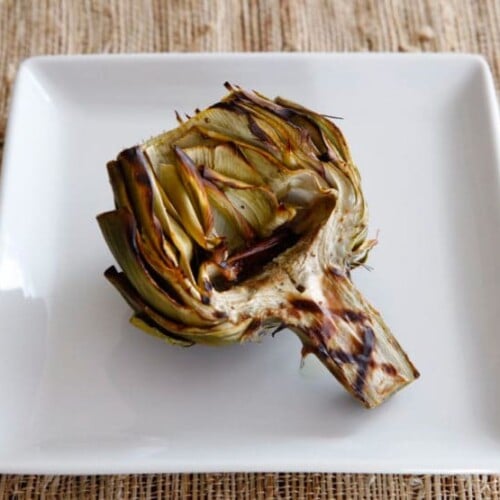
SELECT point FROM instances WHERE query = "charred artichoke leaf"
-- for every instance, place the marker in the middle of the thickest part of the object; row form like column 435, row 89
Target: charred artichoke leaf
column 248, row 215
column 120, row 232
column 170, row 331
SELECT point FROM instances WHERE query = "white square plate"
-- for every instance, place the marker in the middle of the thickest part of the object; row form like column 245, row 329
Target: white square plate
column 81, row 391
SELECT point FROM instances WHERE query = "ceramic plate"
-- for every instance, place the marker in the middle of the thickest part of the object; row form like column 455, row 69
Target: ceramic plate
column 82, row 391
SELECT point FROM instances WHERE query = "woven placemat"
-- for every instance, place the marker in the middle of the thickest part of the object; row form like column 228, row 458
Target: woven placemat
column 31, row 27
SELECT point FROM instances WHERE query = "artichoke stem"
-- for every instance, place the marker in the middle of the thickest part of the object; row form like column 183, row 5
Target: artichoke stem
column 339, row 326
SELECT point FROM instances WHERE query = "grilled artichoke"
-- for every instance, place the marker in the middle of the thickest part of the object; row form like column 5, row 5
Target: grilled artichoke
column 246, row 218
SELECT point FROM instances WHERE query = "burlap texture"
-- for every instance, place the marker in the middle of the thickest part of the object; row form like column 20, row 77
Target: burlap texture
column 250, row 486
column 31, row 27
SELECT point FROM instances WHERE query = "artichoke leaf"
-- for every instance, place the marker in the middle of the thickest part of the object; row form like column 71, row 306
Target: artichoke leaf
column 180, row 287
column 175, row 233
column 175, row 191
column 228, row 222
column 231, row 163
column 258, row 206
column 228, row 123
column 329, row 129
column 227, row 162
column 152, row 329
column 119, row 230
column 134, row 174
column 192, row 181
column 178, row 333
column 118, row 185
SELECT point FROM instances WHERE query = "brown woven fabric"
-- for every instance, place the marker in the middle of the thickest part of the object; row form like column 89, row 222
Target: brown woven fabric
column 250, row 486
column 31, row 27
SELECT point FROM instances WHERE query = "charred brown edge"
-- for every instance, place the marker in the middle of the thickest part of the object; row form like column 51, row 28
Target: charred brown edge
column 120, row 281
column 134, row 160
column 287, row 114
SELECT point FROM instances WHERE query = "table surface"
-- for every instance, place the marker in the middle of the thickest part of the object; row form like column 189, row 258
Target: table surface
column 30, row 28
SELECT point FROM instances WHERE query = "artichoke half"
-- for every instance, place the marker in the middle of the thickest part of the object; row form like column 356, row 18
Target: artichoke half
column 245, row 219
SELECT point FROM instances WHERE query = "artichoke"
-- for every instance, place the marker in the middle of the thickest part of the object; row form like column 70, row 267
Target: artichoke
column 248, row 218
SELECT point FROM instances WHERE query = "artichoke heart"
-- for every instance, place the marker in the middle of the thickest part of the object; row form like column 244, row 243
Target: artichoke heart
column 246, row 218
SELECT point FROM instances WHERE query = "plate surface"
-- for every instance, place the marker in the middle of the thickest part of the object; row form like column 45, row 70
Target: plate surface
column 81, row 391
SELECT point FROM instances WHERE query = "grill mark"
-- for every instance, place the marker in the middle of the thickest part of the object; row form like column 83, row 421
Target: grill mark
column 323, row 331
column 363, row 360
column 342, row 357
column 307, row 306
column 389, row 369
column 322, row 350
